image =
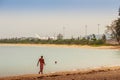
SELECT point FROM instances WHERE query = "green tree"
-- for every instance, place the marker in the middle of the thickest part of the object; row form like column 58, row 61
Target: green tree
column 93, row 37
column 114, row 30
column 59, row 36
column 104, row 37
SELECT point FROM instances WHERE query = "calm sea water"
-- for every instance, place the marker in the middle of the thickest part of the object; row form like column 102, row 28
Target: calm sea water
column 19, row 60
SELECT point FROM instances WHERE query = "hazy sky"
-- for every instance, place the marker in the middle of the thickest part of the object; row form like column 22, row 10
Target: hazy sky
column 20, row 18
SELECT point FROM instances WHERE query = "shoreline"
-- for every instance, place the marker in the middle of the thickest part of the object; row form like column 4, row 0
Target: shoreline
column 88, row 74
column 63, row 45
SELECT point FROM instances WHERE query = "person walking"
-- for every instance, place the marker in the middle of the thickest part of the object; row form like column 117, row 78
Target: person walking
column 42, row 63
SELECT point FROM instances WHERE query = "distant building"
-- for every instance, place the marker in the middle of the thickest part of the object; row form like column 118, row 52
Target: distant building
column 45, row 38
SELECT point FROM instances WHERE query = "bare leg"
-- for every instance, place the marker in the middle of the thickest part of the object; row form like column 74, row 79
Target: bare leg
column 39, row 72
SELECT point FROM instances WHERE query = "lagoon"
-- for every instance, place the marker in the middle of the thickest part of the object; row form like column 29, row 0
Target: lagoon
column 19, row 60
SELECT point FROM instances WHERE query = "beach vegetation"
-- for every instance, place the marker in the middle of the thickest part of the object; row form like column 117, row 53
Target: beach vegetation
column 89, row 40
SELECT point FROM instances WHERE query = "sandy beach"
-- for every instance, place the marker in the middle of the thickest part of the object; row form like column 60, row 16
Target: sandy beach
column 103, row 73
column 66, row 46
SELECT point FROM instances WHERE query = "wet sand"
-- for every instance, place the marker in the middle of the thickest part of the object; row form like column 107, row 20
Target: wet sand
column 104, row 73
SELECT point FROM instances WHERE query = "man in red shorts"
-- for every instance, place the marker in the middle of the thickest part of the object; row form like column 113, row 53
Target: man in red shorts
column 42, row 63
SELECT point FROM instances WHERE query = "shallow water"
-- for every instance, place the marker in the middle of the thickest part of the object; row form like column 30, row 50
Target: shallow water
column 19, row 60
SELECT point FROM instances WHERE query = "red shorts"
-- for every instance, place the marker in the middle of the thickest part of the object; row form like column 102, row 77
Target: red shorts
column 41, row 67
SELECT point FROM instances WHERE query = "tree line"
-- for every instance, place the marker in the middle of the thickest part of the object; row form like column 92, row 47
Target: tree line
column 89, row 40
